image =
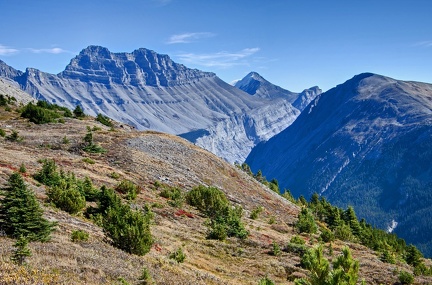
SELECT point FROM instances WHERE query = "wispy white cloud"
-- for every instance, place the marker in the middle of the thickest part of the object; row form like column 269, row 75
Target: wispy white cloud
column 188, row 37
column 219, row 59
column 424, row 44
column 5, row 50
column 55, row 50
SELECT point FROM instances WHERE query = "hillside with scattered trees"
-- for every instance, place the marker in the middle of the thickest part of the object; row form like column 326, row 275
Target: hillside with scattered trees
column 87, row 200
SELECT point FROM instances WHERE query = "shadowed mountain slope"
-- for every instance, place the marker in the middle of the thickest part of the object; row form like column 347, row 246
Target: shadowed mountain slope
column 365, row 143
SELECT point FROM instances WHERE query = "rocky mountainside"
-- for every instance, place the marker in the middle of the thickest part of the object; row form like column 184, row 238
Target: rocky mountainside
column 151, row 92
column 365, row 143
column 148, row 159
column 256, row 85
column 11, row 88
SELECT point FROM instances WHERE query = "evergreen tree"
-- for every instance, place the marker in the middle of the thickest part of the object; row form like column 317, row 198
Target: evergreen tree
column 318, row 266
column 78, row 112
column 345, row 269
column 350, row 219
column 306, row 222
column 21, row 252
column 413, row 255
column 259, row 176
column 21, row 214
column 129, row 230
column 48, row 175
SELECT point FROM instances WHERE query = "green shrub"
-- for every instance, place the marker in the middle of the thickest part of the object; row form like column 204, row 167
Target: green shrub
column 343, row 232
column 413, row 256
column 88, row 160
column 79, row 235
column 87, row 190
column 225, row 221
column 48, row 175
column 145, row 278
column 114, row 175
column 327, row 235
column 266, row 281
column 275, row 249
column 22, row 168
column 297, row 240
column 128, row 229
column 174, row 194
column 3, row 100
column 39, row 115
column 104, row 120
column 2, row 133
column 344, row 269
column 14, row 136
column 129, row 189
column 256, row 212
column 178, row 255
column 66, row 197
column 272, row 220
column 65, row 140
column 217, row 231
column 387, row 257
column 306, row 222
column 406, row 278
column 21, row 251
column 90, row 146
column 296, row 245
column 209, row 200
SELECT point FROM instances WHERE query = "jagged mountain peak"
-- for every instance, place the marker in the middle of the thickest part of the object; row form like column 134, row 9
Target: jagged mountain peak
column 142, row 67
column 8, row 71
column 256, row 85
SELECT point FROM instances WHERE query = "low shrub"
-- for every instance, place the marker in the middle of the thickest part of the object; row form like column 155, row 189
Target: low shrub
column 256, row 212
column 79, row 235
column 174, row 194
column 178, row 255
column 406, row 278
column 225, row 221
column 129, row 189
column 104, row 120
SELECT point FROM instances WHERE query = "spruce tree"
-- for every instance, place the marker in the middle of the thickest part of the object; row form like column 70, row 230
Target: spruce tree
column 350, row 219
column 21, row 214
column 345, row 269
column 78, row 112
column 21, row 252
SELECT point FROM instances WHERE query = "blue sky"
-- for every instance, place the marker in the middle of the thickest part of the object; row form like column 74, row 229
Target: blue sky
column 294, row 44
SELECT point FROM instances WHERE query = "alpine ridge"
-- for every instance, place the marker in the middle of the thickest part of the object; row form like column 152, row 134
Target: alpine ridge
column 151, row 92
column 364, row 143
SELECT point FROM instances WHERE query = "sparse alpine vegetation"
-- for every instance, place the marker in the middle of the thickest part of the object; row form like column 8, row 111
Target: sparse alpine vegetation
column 153, row 215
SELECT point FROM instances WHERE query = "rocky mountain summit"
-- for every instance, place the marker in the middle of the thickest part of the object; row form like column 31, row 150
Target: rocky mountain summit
column 151, row 92
column 256, row 85
column 364, row 143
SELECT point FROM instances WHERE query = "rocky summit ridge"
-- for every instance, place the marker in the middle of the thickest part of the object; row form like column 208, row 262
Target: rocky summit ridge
column 151, row 92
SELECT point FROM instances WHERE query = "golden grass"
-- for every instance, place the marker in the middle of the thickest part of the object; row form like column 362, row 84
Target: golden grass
column 144, row 157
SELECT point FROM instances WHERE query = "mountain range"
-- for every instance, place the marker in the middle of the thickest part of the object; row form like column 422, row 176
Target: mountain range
column 151, row 92
column 365, row 143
